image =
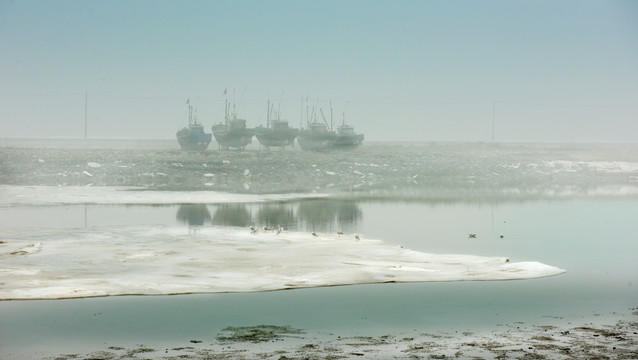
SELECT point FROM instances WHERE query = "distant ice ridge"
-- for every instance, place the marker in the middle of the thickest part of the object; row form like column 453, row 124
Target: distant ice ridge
column 601, row 166
column 148, row 260
column 113, row 195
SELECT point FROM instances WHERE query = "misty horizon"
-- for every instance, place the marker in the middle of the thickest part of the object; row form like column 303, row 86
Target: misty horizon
column 400, row 71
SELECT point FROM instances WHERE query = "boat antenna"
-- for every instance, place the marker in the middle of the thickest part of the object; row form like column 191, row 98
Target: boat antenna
column 190, row 110
column 226, row 105
column 344, row 113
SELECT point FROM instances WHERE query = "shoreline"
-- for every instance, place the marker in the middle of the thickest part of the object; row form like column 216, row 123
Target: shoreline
column 614, row 337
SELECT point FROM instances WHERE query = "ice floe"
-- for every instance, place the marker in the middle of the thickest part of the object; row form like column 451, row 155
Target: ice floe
column 112, row 195
column 164, row 260
column 599, row 166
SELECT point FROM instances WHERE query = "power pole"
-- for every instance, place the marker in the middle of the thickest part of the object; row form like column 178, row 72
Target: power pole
column 86, row 103
column 493, row 115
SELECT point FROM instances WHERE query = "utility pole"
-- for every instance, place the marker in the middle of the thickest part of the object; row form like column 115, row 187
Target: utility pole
column 86, row 103
column 493, row 115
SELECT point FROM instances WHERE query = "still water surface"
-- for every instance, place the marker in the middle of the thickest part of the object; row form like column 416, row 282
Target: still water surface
column 594, row 240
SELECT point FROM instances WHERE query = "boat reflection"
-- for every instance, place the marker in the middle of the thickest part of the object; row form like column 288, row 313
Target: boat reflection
column 193, row 214
column 278, row 214
column 232, row 215
column 329, row 215
column 322, row 215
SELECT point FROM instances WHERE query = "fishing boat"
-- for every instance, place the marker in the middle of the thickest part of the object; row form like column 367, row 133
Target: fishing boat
column 320, row 137
column 277, row 132
column 317, row 137
column 346, row 137
column 232, row 133
column 193, row 137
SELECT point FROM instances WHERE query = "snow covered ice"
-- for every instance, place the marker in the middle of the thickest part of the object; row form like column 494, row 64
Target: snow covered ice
column 164, row 260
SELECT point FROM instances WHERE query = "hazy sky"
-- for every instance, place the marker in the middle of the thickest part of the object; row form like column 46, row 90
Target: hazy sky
column 560, row 71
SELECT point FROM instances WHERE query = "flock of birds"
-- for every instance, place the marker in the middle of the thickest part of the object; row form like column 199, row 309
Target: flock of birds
column 279, row 229
column 473, row 236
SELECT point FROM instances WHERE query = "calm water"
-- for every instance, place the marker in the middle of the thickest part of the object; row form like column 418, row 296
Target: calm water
column 573, row 207
column 594, row 240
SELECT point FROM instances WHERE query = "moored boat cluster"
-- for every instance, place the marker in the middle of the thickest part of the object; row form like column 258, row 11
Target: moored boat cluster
column 233, row 133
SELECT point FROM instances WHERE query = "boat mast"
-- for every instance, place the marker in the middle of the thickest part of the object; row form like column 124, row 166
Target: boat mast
column 307, row 114
column 226, row 111
column 234, row 107
column 331, row 123
column 324, row 118
column 268, row 115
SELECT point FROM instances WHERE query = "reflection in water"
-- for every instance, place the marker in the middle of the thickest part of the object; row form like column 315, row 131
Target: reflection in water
column 271, row 215
column 232, row 215
column 321, row 215
column 193, row 214
column 329, row 215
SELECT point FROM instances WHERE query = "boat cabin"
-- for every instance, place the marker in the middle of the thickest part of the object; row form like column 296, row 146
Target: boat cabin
column 345, row 130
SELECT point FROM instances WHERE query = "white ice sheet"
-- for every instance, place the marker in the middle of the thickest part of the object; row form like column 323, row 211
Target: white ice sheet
column 112, row 195
column 63, row 263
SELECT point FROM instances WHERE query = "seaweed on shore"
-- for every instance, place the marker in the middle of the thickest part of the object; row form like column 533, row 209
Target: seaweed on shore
column 257, row 333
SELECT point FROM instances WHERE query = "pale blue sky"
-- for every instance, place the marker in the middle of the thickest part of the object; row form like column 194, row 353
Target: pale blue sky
column 561, row 71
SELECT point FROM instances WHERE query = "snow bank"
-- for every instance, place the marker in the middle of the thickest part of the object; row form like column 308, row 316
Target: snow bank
column 165, row 260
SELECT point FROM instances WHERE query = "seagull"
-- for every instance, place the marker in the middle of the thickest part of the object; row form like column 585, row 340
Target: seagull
column 339, row 233
column 315, row 234
column 471, row 236
column 253, row 229
column 357, row 237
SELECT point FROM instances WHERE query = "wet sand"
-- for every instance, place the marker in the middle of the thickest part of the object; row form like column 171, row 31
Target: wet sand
column 600, row 340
